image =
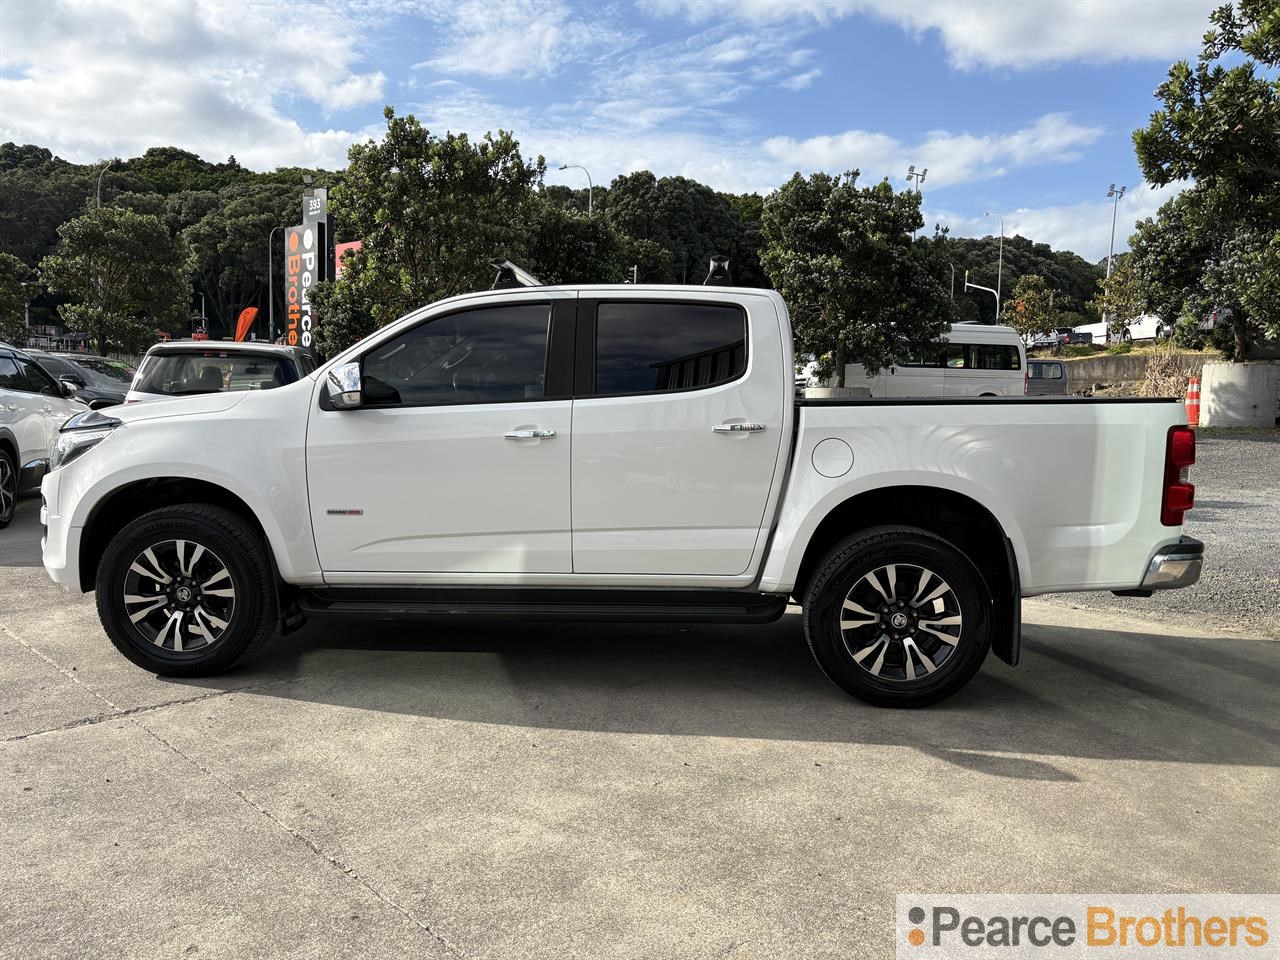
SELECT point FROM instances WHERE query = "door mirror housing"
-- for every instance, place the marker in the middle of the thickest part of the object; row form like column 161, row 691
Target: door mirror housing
column 342, row 384
column 69, row 387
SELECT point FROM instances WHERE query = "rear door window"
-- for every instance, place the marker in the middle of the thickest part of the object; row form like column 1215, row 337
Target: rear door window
column 994, row 356
column 661, row 347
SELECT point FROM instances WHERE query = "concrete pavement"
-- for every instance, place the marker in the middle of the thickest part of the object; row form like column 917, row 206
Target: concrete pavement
column 599, row 791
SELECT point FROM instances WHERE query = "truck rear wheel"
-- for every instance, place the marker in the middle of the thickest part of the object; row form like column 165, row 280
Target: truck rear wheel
column 187, row 591
column 897, row 616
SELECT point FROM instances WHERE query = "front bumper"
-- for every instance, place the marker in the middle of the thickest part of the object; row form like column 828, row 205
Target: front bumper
column 1175, row 565
column 61, row 541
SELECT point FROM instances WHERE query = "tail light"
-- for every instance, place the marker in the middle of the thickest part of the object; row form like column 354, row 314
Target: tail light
column 1026, row 379
column 1179, row 493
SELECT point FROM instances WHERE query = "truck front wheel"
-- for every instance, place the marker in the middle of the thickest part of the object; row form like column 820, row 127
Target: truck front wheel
column 897, row 616
column 187, row 590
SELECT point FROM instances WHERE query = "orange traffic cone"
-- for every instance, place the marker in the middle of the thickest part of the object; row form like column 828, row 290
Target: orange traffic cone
column 1193, row 401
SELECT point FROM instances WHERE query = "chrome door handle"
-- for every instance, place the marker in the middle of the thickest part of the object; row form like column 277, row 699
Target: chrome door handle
column 529, row 434
column 738, row 427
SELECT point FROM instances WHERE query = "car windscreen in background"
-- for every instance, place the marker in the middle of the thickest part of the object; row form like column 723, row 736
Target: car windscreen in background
column 180, row 374
column 106, row 369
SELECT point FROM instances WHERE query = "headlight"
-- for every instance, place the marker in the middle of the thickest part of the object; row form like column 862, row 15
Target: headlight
column 80, row 434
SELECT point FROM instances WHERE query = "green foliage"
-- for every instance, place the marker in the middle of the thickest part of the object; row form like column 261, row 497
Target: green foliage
column 1079, row 350
column 1217, row 245
column 1116, row 349
column 1122, row 296
column 859, row 290
column 432, row 211
column 565, row 246
column 1031, row 310
column 124, row 275
column 13, row 299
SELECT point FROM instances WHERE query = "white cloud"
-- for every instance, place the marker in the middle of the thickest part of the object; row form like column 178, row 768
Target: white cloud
column 1082, row 227
column 801, row 81
column 90, row 80
column 994, row 32
column 521, row 38
column 949, row 157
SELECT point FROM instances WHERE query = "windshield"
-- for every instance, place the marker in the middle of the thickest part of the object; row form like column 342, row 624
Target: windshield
column 179, row 374
column 106, row 369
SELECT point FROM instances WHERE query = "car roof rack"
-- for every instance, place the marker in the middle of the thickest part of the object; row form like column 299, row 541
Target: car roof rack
column 718, row 275
column 510, row 275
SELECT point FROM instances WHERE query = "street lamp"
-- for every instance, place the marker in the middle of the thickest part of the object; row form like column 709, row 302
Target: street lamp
column 104, row 169
column 271, row 293
column 919, row 179
column 1000, row 266
column 1111, row 251
column 590, row 186
column 973, row 286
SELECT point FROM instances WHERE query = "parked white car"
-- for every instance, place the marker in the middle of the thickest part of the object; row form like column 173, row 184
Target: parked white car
column 973, row 360
column 1145, row 327
column 33, row 407
column 181, row 368
column 612, row 452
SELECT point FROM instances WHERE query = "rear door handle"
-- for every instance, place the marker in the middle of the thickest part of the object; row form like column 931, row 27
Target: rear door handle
column 738, row 427
column 534, row 434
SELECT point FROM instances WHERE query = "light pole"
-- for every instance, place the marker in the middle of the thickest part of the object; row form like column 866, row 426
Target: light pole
column 271, row 280
column 1111, row 250
column 973, row 286
column 105, row 167
column 919, row 179
column 1000, row 266
column 953, row 279
column 590, row 186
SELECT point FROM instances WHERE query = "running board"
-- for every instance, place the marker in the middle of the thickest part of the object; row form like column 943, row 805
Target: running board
column 638, row 606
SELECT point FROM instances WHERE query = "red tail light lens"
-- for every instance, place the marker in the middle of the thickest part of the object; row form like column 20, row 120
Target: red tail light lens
column 1179, row 493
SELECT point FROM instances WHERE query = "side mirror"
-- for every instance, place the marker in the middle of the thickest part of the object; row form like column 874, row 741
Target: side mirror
column 343, row 386
column 69, row 387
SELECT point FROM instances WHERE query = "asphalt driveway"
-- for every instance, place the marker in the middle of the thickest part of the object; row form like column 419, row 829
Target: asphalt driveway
column 599, row 791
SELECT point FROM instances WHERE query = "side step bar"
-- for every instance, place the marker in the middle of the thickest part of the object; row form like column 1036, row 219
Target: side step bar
column 642, row 606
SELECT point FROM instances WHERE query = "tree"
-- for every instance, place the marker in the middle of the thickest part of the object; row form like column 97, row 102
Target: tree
column 125, row 275
column 1121, row 296
column 843, row 257
column 432, row 212
column 565, row 246
column 1031, row 310
column 13, row 300
column 1219, row 126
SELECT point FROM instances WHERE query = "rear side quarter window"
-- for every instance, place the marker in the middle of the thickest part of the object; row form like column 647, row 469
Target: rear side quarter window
column 667, row 346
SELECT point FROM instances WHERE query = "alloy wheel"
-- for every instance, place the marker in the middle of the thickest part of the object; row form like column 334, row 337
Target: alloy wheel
column 8, row 488
column 179, row 596
column 901, row 622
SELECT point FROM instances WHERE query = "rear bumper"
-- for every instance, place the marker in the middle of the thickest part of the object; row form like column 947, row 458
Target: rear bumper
column 1175, row 565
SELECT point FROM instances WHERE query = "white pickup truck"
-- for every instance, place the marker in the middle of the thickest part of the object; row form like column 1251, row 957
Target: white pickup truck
column 612, row 452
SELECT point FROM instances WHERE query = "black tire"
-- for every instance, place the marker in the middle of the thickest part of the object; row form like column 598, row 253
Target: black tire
column 901, row 678
column 8, row 487
column 227, row 540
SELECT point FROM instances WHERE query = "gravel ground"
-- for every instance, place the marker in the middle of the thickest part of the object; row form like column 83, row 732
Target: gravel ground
column 1237, row 515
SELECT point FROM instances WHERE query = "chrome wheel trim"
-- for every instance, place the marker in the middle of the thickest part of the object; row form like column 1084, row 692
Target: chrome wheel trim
column 8, row 488
column 901, row 622
column 179, row 596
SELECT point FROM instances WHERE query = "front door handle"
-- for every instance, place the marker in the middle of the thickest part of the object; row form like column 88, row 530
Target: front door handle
column 533, row 434
column 738, row 427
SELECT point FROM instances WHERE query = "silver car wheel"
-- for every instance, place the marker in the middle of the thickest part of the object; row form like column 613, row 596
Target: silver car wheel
column 8, row 488
column 901, row 622
column 179, row 596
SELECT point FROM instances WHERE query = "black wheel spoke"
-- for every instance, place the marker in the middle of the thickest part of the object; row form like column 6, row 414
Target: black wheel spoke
column 180, row 596
column 895, row 638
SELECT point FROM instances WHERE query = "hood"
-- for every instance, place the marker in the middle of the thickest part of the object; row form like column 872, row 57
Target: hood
column 201, row 403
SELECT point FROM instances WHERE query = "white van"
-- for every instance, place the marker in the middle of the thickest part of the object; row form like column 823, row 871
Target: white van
column 973, row 360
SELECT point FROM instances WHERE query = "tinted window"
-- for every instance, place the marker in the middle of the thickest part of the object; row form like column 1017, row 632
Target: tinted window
column 105, row 369
column 956, row 356
column 929, row 356
column 993, row 356
column 655, row 347
column 10, row 378
column 489, row 355
column 1045, row 371
column 212, row 371
column 37, row 380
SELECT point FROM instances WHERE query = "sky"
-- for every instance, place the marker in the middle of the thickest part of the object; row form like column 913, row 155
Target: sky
column 1022, row 108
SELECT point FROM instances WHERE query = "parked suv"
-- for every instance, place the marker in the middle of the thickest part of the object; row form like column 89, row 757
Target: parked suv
column 99, row 381
column 33, row 407
column 186, row 367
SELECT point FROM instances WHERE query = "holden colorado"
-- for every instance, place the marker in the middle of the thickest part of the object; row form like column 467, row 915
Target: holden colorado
column 612, row 452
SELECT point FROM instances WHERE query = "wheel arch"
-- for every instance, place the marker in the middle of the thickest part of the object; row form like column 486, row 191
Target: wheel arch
column 957, row 518
column 126, row 503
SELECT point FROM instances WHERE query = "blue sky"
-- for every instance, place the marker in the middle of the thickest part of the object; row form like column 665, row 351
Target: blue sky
column 1024, row 108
